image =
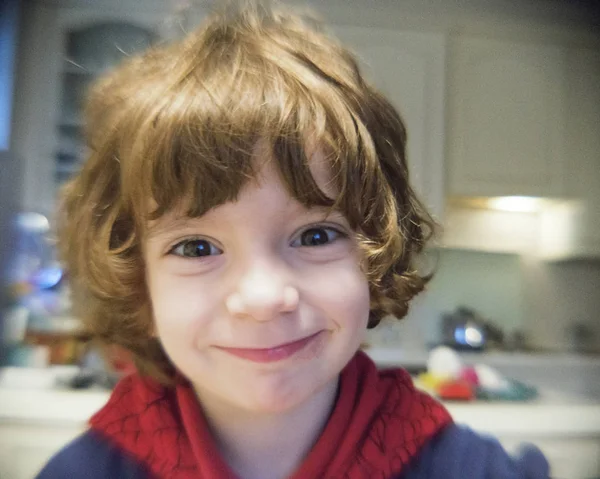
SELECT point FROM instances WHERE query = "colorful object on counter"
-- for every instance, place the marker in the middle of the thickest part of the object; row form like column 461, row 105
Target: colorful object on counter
column 513, row 391
column 444, row 362
column 489, row 378
column 469, row 375
column 457, row 390
column 430, row 382
column 448, row 379
column 445, row 388
column 495, row 387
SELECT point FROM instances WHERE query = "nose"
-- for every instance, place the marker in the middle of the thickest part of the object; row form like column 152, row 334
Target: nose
column 264, row 291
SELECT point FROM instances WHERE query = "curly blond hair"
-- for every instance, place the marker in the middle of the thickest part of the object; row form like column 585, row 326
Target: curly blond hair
column 179, row 124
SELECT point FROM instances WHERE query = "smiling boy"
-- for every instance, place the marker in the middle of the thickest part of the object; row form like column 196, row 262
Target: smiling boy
column 244, row 216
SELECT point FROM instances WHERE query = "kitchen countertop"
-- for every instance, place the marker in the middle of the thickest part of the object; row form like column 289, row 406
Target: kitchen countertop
column 50, row 406
column 539, row 418
column 569, row 415
column 394, row 356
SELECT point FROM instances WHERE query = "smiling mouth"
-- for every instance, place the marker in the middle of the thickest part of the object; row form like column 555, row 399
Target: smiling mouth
column 278, row 353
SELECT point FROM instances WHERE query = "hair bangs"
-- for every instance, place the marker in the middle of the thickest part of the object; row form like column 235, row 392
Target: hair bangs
column 200, row 142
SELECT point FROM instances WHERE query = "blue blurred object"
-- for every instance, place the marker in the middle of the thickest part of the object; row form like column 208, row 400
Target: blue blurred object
column 34, row 275
column 465, row 329
column 35, row 261
column 49, row 277
column 469, row 335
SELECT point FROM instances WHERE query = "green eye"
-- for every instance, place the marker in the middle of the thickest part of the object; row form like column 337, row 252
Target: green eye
column 195, row 248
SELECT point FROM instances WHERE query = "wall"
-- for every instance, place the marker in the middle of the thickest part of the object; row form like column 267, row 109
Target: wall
column 490, row 283
column 545, row 300
column 559, row 296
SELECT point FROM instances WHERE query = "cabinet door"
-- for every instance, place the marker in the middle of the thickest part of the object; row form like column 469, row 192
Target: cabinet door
column 63, row 50
column 409, row 68
column 583, row 135
column 506, row 118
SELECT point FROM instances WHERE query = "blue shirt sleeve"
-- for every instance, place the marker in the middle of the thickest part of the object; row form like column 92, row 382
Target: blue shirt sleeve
column 90, row 456
column 458, row 452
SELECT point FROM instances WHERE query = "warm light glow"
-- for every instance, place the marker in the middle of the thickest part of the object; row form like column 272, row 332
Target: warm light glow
column 517, row 204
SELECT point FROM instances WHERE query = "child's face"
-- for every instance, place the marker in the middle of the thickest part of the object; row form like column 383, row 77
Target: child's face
column 231, row 288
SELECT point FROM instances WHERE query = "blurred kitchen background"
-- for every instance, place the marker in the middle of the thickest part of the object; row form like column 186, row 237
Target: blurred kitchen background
column 502, row 103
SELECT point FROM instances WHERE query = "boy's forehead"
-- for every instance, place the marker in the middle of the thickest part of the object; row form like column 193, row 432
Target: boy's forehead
column 177, row 220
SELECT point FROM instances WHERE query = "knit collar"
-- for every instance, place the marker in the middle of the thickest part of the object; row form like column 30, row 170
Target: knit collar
column 378, row 425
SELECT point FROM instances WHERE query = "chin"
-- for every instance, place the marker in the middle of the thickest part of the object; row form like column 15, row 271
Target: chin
column 272, row 397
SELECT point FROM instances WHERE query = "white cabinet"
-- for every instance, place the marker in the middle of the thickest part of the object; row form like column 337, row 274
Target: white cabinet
column 506, row 122
column 572, row 230
column 409, row 68
column 583, row 135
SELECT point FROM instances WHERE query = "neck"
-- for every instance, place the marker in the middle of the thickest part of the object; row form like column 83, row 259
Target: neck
column 261, row 446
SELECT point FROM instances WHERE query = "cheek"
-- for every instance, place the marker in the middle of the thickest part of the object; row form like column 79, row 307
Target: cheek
column 344, row 291
column 181, row 306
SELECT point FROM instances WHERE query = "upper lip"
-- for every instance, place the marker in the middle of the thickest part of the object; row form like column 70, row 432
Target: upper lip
column 265, row 348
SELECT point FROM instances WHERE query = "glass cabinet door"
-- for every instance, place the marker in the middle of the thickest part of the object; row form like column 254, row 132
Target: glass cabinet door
column 89, row 52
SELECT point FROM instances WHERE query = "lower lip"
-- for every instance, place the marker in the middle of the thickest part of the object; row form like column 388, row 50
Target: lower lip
column 274, row 354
